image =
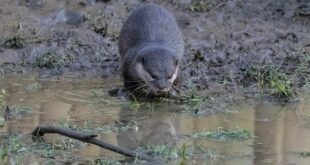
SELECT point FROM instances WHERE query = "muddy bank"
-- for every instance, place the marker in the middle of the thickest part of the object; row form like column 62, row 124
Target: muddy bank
column 227, row 42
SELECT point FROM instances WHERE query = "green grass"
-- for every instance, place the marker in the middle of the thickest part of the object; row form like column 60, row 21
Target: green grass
column 168, row 153
column 192, row 97
column 20, row 41
column 104, row 162
column 233, row 134
column 52, row 60
column 15, row 144
column 271, row 77
column 305, row 154
column 2, row 100
column 204, row 5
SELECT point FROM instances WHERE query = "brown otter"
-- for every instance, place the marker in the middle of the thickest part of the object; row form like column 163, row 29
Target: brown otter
column 152, row 46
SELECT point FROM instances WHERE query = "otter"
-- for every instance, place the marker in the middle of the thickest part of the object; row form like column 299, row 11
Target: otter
column 151, row 46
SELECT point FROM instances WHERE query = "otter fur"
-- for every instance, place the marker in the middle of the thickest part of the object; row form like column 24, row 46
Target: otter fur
column 151, row 46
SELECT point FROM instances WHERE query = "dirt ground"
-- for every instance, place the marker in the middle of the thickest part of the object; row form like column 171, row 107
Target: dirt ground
column 225, row 39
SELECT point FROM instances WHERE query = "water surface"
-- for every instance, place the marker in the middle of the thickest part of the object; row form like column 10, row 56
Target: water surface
column 282, row 130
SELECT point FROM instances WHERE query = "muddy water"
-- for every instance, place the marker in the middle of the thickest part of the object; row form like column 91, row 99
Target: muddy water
column 282, row 131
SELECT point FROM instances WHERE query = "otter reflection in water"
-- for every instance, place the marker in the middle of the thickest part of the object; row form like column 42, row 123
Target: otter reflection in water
column 158, row 127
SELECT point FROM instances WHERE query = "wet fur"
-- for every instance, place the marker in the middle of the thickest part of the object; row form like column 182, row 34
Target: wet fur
column 150, row 32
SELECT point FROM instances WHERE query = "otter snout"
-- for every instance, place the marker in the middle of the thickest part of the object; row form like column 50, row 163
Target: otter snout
column 162, row 85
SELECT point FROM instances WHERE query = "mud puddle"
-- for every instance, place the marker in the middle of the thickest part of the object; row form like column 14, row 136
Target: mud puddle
column 262, row 133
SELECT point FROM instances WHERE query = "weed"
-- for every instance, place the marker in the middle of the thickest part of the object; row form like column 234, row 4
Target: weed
column 3, row 155
column 237, row 134
column 305, row 154
column 105, row 162
column 269, row 76
column 15, row 144
column 135, row 104
column 53, row 60
column 191, row 97
column 33, row 87
column 19, row 41
column 204, row 5
column 169, row 153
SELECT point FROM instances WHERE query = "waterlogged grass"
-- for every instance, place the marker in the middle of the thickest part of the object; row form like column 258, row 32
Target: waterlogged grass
column 225, row 134
column 2, row 100
column 305, row 154
column 169, row 153
column 89, row 127
column 105, row 162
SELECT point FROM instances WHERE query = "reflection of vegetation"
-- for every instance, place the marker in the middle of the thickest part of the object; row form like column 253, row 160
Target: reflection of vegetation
column 305, row 154
column 237, row 134
column 169, row 153
column 272, row 77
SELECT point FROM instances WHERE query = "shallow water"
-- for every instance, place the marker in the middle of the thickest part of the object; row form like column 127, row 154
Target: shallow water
column 281, row 130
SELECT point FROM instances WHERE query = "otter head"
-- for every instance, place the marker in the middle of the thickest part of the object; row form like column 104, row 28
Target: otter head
column 157, row 68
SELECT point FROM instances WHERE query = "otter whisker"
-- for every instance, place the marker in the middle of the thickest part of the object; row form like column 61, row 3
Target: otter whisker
column 139, row 87
column 144, row 92
column 134, row 86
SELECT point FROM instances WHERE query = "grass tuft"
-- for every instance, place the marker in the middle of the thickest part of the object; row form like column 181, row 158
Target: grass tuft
column 271, row 77
column 169, row 153
column 236, row 134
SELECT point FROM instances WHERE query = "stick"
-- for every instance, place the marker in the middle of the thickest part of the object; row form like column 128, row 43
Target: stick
column 91, row 138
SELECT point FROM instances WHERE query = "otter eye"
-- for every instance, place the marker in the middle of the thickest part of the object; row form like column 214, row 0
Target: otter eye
column 153, row 76
column 169, row 77
column 176, row 61
column 142, row 60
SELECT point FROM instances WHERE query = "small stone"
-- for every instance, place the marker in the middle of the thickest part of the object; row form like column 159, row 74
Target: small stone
column 68, row 17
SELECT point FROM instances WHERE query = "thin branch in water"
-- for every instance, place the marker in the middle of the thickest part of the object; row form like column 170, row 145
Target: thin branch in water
column 91, row 138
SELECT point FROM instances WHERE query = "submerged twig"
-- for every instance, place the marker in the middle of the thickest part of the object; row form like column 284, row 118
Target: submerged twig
column 91, row 138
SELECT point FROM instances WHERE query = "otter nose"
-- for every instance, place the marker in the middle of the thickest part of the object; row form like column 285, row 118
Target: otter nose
column 162, row 84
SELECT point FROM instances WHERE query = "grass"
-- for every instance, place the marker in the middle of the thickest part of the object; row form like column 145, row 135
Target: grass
column 2, row 100
column 305, row 154
column 204, row 5
column 89, row 127
column 20, row 41
column 104, row 162
column 191, row 97
column 169, row 153
column 233, row 134
column 270, row 76
column 53, row 60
